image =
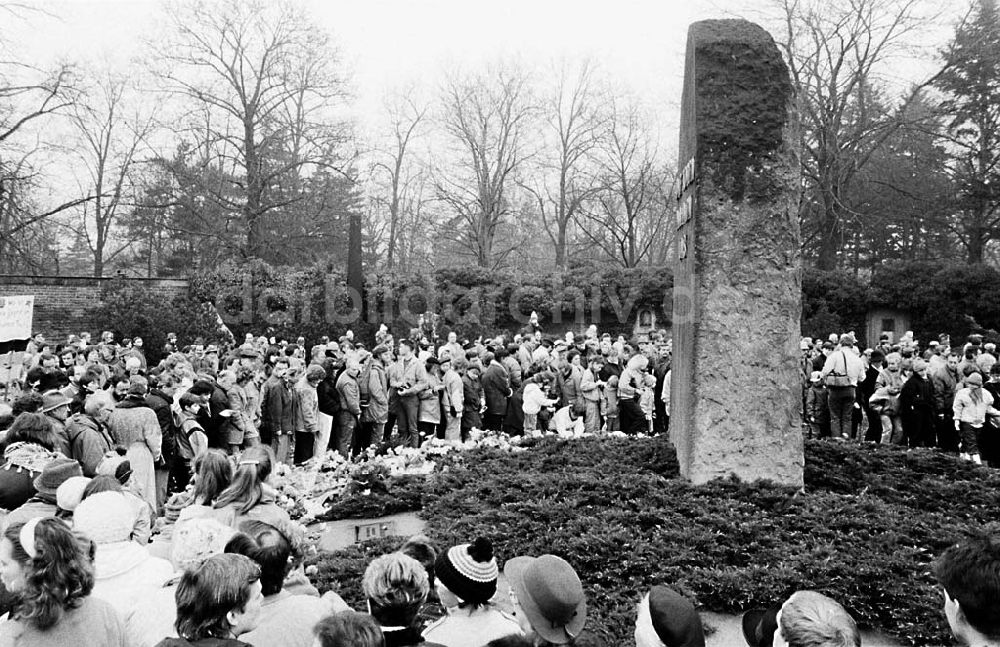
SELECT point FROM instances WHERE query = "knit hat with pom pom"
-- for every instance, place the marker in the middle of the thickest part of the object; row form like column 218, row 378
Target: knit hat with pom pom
column 469, row 571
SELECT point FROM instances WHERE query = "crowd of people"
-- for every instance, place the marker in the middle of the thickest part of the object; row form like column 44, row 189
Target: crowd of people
column 941, row 396
column 138, row 505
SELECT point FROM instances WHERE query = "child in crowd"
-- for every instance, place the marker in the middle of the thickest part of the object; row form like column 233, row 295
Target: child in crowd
column 817, row 407
column 610, row 403
column 647, row 400
column 534, row 399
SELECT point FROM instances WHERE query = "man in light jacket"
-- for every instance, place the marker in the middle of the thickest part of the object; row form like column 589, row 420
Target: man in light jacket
column 408, row 379
column 452, row 399
column 313, row 441
column 375, row 415
column 842, row 372
column 350, row 406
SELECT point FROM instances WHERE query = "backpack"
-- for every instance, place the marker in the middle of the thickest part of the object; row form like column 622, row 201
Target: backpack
column 836, row 379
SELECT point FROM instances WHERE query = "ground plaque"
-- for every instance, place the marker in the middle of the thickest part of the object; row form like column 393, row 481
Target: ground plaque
column 735, row 388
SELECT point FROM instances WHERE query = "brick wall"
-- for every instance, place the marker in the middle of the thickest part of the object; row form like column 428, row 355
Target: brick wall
column 67, row 304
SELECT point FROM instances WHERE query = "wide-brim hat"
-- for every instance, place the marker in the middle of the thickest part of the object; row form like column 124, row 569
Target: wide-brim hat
column 759, row 626
column 247, row 350
column 551, row 595
column 52, row 400
column 55, row 474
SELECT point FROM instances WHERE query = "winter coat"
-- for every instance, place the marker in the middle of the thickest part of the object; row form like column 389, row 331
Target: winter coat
column 971, row 411
column 513, row 370
column 411, row 375
column 496, row 387
column 277, row 410
column 88, row 442
column 134, row 426
column 817, row 404
column 32, row 508
column 378, row 394
column 326, row 395
column 239, row 425
column 945, row 382
column 472, row 397
column 430, row 400
column 349, row 394
column 308, row 410
column 453, row 394
column 917, row 396
column 533, row 399
column 160, row 403
column 589, row 388
column 124, row 570
column 569, row 388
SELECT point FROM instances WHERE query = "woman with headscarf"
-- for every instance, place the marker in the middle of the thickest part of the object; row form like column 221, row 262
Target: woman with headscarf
column 633, row 420
column 971, row 406
column 30, row 447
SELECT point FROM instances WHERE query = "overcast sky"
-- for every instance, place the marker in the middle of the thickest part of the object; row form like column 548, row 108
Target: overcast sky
column 391, row 43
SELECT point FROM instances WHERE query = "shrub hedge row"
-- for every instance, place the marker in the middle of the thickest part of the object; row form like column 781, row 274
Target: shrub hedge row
column 864, row 531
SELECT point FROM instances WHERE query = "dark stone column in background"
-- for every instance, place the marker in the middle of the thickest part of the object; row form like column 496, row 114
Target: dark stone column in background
column 735, row 392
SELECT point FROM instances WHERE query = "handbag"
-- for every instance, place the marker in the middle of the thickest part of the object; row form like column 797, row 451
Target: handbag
column 836, row 379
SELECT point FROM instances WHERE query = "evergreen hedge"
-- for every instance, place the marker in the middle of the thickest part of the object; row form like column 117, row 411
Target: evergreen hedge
column 864, row 531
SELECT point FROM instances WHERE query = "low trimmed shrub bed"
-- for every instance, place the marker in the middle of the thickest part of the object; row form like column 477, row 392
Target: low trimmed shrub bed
column 865, row 530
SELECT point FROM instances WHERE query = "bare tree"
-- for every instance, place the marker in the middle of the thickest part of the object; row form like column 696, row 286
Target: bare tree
column 574, row 122
column 407, row 118
column 486, row 117
column 626, row 216
column 835, row 52
column 111, row 133
column 30, row 97
column 263, row 90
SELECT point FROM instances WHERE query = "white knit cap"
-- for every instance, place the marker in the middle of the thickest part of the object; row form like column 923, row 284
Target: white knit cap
column 70, row 493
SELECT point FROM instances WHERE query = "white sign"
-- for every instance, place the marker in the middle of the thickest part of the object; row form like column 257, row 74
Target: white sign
column 15, row 317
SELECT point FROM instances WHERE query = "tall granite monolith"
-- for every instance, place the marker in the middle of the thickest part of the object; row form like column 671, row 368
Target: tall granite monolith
column 735, row 387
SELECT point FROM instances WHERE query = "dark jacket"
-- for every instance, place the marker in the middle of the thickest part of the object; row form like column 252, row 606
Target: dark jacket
column 277, row 411
column 160, row 403
column 326, row 394
column 204, row 642
column 472, row 397
column 496, row 388
column 917, row 396
column 946, row 385
column 407, row 638
column 217, row 403
column 22, row 463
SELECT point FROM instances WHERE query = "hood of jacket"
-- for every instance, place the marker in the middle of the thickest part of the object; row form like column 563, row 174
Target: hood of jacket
column 77, row 423
column 118, row 558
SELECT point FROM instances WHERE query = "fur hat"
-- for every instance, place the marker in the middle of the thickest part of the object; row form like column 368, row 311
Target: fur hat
column 469, row 571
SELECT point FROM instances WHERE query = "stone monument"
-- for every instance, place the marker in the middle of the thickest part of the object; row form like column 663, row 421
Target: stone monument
column 736, row 387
